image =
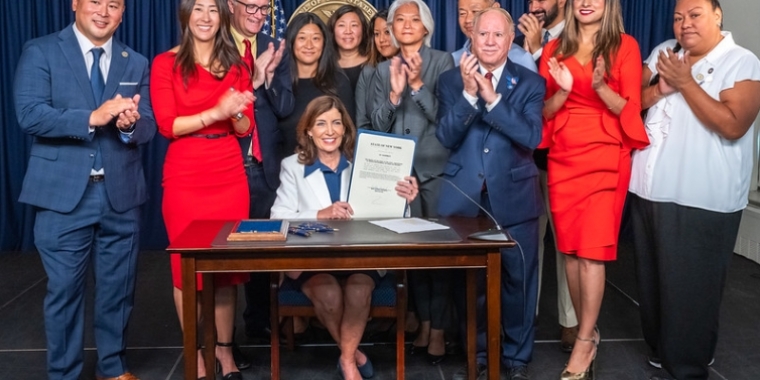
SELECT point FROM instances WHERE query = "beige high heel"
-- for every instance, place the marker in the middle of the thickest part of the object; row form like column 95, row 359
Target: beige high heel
column 588, row 374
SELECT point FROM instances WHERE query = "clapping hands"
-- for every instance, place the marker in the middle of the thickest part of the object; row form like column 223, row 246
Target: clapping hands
column 561, row 74
column 474, row 82
column 266, row 64
column 232, row 103
column 122, row 109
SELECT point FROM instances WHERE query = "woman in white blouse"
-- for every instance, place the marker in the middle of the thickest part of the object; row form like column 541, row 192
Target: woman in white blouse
column 314, row 185
column 688, row 188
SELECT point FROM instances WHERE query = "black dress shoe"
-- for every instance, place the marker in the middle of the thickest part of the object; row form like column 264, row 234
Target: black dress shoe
column 453, row 348
column 655, row 362
column 481, row 372
column 233, row 376
column 258, row 335
column 518, row 373
column 435, row 359
column 241, row 360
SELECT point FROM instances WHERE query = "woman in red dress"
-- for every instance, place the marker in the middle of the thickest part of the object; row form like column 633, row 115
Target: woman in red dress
column 592, row 122
column 202, row 102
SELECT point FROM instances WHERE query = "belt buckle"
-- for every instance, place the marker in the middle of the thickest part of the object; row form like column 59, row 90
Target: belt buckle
column 252, row 161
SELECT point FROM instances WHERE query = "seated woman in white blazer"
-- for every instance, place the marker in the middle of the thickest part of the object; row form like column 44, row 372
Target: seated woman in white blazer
column 314, row 185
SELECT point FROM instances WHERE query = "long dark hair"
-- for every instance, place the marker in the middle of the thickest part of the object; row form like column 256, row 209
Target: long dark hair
column 365, row 36
column 327, row 66
column 374, row 55
column 307, row 151
column 224, row 54
column 607, row 40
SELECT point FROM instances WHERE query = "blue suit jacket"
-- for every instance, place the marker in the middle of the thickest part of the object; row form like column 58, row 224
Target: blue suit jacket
column 272, row 103
column 495, row 147
column 54, row 100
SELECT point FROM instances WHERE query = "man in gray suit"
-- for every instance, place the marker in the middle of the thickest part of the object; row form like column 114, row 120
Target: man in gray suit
column 83, row 97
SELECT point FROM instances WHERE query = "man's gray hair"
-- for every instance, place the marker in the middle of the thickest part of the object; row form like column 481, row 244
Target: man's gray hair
column 425, row 16
column 503, row 11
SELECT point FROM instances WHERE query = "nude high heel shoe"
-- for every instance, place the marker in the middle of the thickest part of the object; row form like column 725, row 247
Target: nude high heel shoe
column 588, row 374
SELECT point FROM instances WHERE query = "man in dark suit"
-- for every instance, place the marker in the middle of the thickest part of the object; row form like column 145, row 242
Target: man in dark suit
column 261, row 150
column 490, row 118
column 83, row 97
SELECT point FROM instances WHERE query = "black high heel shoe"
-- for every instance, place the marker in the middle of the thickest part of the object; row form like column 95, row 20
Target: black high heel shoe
column 232, row 375
column 417, row 350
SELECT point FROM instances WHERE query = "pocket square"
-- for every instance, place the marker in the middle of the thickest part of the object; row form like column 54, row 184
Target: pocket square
column 128, row 83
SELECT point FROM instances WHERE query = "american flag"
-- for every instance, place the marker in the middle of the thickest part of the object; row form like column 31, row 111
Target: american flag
column 277, row 18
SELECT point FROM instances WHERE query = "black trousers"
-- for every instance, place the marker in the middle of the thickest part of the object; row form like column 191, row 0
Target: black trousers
column 682, row 257
column 256, row 314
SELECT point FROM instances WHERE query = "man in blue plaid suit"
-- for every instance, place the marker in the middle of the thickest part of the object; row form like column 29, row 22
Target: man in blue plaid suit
column 83, row 97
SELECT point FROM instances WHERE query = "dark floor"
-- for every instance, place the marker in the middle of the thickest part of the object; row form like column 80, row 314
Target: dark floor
column 155, row 340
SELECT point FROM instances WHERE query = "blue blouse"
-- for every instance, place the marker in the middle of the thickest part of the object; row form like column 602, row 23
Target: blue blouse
column 332, row 178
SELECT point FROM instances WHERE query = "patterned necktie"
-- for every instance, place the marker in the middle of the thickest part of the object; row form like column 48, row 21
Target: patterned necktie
column 96, row 78
column 248, row 55
column 98, row 86
column 546, row 38
column 489, row 76
column 255, row 143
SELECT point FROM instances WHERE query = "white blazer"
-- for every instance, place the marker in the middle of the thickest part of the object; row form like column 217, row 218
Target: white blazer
column 300, row 197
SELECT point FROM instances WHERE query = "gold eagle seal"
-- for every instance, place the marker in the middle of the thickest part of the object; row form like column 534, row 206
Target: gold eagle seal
column 325, row 8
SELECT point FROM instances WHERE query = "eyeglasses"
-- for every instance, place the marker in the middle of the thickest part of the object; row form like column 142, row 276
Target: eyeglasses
column 252, row 9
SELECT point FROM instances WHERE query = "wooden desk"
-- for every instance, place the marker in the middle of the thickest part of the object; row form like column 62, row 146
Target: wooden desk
column 204, row 249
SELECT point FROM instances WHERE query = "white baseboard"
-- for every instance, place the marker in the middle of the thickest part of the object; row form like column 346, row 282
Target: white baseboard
column 748, row 241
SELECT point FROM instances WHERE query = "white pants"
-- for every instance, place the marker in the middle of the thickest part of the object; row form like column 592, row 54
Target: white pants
column 565, row 309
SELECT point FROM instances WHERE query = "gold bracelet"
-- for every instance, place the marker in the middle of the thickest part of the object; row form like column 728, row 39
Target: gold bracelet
column 203, row 123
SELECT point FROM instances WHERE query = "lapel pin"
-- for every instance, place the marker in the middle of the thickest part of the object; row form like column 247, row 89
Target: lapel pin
column 124, row 54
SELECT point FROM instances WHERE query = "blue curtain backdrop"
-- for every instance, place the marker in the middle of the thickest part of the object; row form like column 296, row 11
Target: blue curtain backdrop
column 151, row 27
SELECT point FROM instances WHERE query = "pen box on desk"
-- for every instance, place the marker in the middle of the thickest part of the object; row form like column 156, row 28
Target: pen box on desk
column 259, row 230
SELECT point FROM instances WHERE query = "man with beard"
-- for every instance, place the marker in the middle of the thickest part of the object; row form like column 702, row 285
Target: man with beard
column 467, row 10
column 544, row 22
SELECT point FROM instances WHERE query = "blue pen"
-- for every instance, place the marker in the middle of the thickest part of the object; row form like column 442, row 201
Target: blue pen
column 299, row 232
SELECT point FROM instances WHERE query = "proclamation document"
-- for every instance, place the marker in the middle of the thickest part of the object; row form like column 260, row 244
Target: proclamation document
column 380, row 160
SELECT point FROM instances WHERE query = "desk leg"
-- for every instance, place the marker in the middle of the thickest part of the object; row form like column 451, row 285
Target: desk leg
column 274, row 321
column 493, row 307
column 209, row 322
column 189, row 319
column 472, row 301
column 401, row 291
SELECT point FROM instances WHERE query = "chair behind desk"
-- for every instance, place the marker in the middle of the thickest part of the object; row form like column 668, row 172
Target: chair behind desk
column 388, row 301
